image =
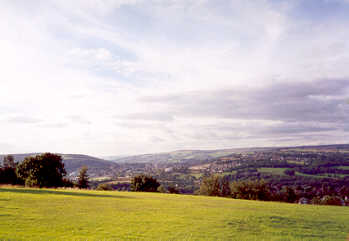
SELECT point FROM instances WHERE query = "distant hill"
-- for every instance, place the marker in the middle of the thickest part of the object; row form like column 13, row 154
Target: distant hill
column 207, row 155
column 184, row 155
column 73, row 162
column 101, row 167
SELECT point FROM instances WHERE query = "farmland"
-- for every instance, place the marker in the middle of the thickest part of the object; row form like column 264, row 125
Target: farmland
column 66, row 214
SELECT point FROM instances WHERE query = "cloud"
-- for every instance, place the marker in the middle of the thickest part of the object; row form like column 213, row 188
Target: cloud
column 106, row 77
column 318, row 101
column 79, row 119
column 147, row 116
column 54, row 125
column 23, row 120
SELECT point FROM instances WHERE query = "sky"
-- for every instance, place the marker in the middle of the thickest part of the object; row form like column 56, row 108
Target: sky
column 124, row 77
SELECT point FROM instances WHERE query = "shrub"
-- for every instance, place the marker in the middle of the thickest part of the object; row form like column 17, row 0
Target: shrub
column 172, row 189
column 162, row 189
column 104, row 187
column 331, row 200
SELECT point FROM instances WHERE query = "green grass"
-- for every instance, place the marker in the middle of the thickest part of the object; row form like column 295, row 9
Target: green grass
column 295, row 162
column 343, row 167
column 280, row 171
column 314, row 176
column 227, row 173
column 43, row 214
column 275, row 171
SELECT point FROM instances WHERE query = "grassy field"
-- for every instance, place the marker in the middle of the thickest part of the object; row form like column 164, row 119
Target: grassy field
column 276, row 171
column 43, row 214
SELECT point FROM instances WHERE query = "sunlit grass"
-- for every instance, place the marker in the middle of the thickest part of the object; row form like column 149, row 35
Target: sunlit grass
column 42, row 214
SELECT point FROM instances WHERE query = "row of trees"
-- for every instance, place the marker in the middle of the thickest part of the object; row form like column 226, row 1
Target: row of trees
column 45, row 170
column 260, row 190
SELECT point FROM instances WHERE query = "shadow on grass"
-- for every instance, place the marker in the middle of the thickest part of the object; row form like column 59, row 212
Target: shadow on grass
column 54, row 192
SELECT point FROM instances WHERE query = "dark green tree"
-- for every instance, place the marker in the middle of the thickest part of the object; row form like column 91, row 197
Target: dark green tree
column 83, row 181
column 252, row 190
column 143, row 183
column 8, row 171
column 45, row 170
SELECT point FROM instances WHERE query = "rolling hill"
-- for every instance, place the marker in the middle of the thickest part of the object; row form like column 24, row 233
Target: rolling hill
column 208, row 155
column 47, row 214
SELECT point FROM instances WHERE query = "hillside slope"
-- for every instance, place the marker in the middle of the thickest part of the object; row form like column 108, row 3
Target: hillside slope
column 39, row 214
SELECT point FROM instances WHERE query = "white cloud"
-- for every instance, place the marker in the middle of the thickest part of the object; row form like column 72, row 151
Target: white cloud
column 69, row 63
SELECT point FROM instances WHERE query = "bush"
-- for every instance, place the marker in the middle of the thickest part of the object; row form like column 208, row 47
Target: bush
column 172, row 189
column 162, row 189
column 104, row 187
column 331, row 200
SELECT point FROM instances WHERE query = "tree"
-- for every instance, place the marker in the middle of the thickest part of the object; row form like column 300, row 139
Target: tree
column 143, row 183
column 9, row 162
column 45, row 170
column 83, row 178
column 288, row 194
column 215, row 186
column 8, row 171
column 8, row 176
column 252, row 190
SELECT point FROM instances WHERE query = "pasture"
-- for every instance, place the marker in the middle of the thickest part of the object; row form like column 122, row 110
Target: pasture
column 49, row 214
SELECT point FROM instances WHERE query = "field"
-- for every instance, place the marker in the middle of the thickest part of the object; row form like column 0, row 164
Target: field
column 276, row 171
column 45, row 214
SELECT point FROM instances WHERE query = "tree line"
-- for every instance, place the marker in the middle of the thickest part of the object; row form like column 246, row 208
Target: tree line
column 260, row 190
column 44, row 170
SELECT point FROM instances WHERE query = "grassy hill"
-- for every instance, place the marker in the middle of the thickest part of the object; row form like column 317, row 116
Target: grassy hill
column 44, row 214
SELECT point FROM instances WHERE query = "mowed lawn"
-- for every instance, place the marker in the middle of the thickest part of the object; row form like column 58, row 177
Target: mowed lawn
column 44, row 214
